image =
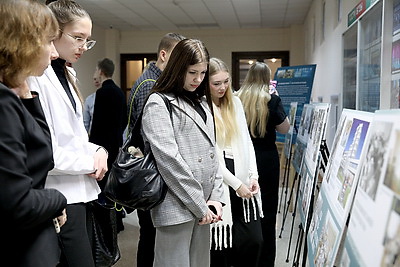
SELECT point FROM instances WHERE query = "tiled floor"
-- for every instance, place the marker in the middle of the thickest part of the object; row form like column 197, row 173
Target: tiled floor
column 128, row 240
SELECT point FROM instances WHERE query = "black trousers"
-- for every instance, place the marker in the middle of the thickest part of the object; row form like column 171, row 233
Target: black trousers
column 76, row 250
column 269, row 184
column 247, row 240
column 145, row 252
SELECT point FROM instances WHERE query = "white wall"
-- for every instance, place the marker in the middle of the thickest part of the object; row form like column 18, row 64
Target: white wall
column 86, row 65
column 327, row 53
column 220, row 43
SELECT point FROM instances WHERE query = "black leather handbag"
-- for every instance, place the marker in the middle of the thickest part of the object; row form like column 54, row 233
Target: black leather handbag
column 102, row 228
column 134, row 181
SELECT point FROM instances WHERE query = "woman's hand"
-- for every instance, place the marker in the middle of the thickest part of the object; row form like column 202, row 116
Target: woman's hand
column 244, row 192
column 208, row 218
column 100, row 164
column 254, row 187
column 62, row 219
column 211, row 217
column 217, row 215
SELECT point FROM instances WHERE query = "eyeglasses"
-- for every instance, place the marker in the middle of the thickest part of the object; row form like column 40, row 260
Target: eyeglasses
column 81, row 41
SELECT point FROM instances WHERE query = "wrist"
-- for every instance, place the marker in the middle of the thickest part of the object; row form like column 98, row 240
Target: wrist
column 26, row 95
column 101, row 147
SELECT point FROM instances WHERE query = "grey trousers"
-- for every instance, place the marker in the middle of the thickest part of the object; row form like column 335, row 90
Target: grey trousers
column 182, row 245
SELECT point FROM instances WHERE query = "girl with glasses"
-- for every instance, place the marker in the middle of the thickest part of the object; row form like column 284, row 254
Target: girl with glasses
column 79, row 164
column 28, row 210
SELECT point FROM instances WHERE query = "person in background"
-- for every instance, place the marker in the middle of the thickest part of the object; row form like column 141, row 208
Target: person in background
column 88, row 106
column 28, row 235
column 138, row 95
column 265, row 115
column 183, row 144
column 240, row 227
column 79, row 164
column 141, row 88
column 109, row 120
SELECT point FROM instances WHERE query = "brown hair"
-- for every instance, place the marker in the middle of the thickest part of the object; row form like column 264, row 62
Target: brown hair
column 106, row 66
column 187, row 52
column 169, row 41
column 25, row 26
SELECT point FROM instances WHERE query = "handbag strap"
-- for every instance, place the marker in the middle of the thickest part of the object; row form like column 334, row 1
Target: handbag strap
column 135, row 138
column 133, row 98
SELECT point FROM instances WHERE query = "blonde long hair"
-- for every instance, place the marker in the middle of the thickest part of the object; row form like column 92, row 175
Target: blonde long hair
column 226, row 125
column 255, row 96
column 66, row 12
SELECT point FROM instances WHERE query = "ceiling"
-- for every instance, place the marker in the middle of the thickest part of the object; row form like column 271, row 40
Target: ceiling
column 173, row 15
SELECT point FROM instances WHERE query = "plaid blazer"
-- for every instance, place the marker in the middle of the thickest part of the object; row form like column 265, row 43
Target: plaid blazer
column 184, row 148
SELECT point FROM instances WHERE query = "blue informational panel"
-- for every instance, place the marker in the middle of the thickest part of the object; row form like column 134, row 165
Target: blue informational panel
column 294, row 84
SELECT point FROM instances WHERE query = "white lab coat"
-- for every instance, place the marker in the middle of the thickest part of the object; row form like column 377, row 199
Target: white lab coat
column 72, row 151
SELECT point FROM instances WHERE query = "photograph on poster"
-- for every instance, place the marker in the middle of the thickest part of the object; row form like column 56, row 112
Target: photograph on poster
column 305, row 122
column 324, row 251
column 316, row 135
column 292, row 114
column 350, row 158
column 315, row 223
column 392, row 177
column 391, row 242
column 339, row 136
column 298, row 155
column 396, row 56
column 345, row 158
column 372, row 165
column 396, row 17
column 287, row 144
column 347, row 185
column 305, row 192
column 395, row 92
column 289, row 135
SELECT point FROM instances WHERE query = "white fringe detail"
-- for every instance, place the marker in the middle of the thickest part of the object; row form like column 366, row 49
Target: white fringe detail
column 223, row 230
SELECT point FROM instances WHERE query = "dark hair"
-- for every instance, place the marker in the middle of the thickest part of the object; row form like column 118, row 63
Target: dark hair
column 169, row 41
column 187, row 52
column 106, row 66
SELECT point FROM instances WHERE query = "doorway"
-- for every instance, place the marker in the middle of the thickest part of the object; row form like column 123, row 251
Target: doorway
column 132, row 66
column 241, row 62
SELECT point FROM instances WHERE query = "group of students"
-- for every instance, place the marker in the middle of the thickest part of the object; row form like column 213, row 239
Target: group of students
column 215, row 150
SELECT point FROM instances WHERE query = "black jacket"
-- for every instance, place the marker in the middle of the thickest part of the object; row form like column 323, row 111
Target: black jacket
column 109, row 120
column 27, row 209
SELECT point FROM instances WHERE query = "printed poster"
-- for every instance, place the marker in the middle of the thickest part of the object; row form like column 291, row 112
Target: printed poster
column 294, row 84
column 337, row 188
column 316, row 134
column 292, row 130
column 302, row 136
column 374, row 228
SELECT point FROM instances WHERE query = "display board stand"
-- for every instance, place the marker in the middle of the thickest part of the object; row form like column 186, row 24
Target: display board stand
column 285, row 186
column 323, row 156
